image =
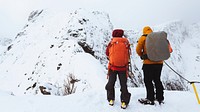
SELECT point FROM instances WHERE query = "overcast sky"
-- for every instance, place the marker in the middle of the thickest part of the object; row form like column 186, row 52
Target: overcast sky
column 126, row 14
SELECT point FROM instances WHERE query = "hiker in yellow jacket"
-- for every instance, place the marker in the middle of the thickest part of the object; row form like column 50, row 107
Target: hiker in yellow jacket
column 151, row 70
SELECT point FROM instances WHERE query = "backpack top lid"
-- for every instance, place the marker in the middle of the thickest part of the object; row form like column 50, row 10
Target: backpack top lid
column 117, row 33
column 157, row 46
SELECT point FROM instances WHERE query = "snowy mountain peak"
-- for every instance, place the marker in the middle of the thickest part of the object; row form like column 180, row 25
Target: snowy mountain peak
column 46, row 55
column 67, row 49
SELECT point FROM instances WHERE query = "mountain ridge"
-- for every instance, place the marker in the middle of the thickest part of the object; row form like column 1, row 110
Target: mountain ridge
column 42, row 54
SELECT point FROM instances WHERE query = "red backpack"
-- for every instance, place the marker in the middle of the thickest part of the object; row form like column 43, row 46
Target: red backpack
column 119, row 52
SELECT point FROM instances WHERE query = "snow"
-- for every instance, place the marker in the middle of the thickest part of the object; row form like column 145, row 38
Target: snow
column 47, row 50
column 95, row 101
column 51, row 47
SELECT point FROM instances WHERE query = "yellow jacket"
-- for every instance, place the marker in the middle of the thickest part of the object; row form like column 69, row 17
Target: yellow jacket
column 141, row 47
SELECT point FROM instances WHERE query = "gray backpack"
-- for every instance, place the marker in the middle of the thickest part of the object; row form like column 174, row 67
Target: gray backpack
column 157, row 46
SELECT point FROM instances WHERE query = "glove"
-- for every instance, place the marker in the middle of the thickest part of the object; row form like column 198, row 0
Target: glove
column 143, row 57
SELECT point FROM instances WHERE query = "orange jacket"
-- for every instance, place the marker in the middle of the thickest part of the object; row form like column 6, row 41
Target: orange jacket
column 141, row 47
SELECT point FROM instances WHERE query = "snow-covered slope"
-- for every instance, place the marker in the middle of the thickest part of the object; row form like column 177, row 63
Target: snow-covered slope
column 48, row 55
column 191, row 53
column 4, row 42
column 95, row 101
column 59, row 53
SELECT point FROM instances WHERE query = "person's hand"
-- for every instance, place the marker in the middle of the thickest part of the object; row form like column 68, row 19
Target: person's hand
column 143, row 57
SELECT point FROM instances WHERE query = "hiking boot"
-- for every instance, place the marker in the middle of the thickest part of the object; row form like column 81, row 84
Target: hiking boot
column 160, row 102
column 146, row 101
column 111, row 102
column 123, row 105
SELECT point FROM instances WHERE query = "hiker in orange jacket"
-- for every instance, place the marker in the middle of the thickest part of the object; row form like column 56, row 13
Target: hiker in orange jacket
column 113, row 54
column 151, row 70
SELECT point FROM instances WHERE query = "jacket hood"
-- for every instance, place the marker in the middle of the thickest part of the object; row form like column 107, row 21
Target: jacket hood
column 147, row 30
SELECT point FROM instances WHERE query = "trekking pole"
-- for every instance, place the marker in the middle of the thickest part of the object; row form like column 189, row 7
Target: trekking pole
column 195, row 91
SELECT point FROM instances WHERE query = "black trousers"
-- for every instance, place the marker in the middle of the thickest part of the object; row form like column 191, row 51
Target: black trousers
column 125, row 95
column 152, row 73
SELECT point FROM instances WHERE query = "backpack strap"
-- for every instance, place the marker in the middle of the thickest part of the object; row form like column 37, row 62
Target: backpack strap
column 145, row 35
column 144, row 56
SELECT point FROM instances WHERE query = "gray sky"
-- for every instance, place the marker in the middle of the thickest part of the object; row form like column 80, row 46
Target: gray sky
column 126, row 14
